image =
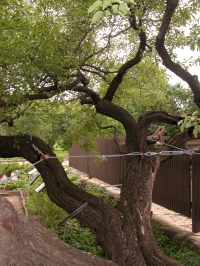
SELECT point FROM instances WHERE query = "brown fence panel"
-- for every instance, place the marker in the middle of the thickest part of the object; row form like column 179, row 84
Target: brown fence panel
column 78, row 159
column 109, row 170
column 172, row 187
column 195, row 194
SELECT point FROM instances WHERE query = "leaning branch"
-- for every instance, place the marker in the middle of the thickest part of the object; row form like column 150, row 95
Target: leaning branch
column 167, row 61
column 158, row 116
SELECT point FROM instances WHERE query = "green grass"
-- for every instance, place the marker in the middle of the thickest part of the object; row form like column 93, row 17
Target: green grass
column 80, row 237
column 175, row 249
column 61, row 153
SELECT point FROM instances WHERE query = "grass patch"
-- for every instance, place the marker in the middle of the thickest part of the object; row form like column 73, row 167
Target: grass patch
column 61, row 153
column 80, row 237
column 175, row 249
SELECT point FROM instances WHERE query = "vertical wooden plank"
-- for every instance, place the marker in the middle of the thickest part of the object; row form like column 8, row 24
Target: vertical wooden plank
column 78, row 159
column 172, row 188
column 195, row 194
column 108, row 170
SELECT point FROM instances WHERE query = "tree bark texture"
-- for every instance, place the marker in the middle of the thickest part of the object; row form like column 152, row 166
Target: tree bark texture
column 26, row 242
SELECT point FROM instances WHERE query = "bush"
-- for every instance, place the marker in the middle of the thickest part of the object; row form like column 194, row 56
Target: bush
column 8, row 168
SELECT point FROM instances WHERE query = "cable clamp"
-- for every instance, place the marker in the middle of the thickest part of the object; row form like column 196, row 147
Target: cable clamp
column 171, row 152
column 191, row 153
column 43, row 156
column 151, row 153
column 103, row 157
column 133, row 153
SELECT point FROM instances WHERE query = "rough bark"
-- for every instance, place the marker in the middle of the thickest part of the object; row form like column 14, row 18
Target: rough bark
column 26, row 242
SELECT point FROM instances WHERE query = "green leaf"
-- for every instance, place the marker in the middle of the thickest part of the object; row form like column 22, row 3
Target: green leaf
column 107, row 3
column 123, row 7
column 95, row 6
column 188, row 124
column 116, row 1
column 131, row 2
column 195, row 113
column 116, row 10
column 97, row 16
column 107, row 13
column 180, row 122
column 182, row 127
column 198, row 42
column 195, row 132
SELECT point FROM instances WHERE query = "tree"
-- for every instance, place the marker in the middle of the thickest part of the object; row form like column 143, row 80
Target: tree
column 55, row 51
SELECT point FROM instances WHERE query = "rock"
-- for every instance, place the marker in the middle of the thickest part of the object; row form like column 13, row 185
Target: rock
column 3, row 179
column 13, row 176
column 27, row 242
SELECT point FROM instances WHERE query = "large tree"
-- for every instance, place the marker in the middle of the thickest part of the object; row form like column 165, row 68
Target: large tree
column 53, row 51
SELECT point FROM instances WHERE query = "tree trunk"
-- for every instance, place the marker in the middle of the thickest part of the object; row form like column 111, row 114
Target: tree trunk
column 126, row 235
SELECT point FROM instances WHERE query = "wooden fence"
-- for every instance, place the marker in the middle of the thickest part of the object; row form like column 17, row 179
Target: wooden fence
column 177, row 185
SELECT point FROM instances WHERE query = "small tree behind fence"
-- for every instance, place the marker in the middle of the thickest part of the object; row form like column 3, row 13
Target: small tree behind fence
column 177, row 184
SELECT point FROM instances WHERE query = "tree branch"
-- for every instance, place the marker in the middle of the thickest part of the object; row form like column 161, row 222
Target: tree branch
column 159, row 116
column 88, row 93
column 150, row 117
column 177, row 140
column 50, row 91
column 97, row 70
column 114, row 111
column 119, row 146
column 122, row 71
column 167, row 61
